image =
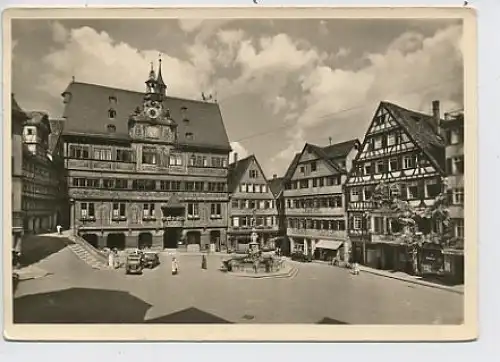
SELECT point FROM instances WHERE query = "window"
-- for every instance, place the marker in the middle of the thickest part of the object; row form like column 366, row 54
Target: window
column 119, row 210
column 193, row 211
column 380, row 166
column 148, row 211
column 175, row 159
column 257, row 188
column 264, row 189
column 457, row 165
column 378, row 225
column 333, row 180
column 124, row 155
column 315, row 182
column 433, row 188
column 149, row 156
column 148, row 185
column 377, row 143
column 356, row 223
column 192, row 160
column 215, row 211
column 253, row 173
column 393, row 164
column 341, row 225
column 77, row 151
column 243, row 187
column 412, row 189
column 367, row 168
column 367, row 193
column 313, row 166
column 458, row 196
column 235, row 204
column 111, row 128
column 219, row 162
column 404, row 138
column 189, row 185
column 92, row 182
column 189, row 136
column 354, row 195
column 78, row 182
column 391, row 139
column 111, row 113
column 459, row 228
column 121, row 183
column 235, row 221
column 456, row 136
column 302, row 170
column 102, row 154
column 304, row 184
column 108, row 183
column 409, row 162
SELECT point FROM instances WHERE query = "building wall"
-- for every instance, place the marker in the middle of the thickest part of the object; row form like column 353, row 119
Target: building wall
column 315, row 204
column 100, row 205
column 252, row 198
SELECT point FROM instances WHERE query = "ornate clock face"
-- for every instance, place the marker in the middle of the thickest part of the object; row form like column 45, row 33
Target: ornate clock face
column 152, row 112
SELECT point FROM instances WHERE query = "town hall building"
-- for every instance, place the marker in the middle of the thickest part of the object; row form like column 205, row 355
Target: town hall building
column 145, row 169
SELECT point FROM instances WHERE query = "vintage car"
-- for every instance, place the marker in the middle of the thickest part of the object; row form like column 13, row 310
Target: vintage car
column 134, row 265
column 150, row 259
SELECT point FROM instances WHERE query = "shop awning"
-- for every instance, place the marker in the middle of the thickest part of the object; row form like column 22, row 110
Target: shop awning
column 329, row 244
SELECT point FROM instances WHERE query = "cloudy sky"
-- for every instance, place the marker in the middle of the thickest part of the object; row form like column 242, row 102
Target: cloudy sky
column 279, row 83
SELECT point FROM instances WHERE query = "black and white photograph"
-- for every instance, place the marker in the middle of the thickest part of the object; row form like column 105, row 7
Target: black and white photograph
column 261, row 168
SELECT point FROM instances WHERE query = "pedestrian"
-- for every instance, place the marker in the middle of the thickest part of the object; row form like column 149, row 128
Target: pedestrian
column 203, row 262
column 111, row 259
column 175, row 266
column 59, row 229
column 355, row 268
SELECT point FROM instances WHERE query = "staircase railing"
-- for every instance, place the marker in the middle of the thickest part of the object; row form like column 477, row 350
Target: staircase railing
column 97, row 254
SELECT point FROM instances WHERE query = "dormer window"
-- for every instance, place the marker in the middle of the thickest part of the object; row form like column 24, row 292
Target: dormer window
column 111, row 114
column 111, row 128
column 112, row 100
column 184, row 114
column 67, row 97
column 189, row 136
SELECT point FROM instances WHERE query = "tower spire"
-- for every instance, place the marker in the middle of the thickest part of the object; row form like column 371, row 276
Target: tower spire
column 162, row 87
column 150, row 82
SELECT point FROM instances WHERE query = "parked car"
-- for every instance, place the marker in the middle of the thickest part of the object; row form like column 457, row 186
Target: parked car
column 134, row 265
column 150, row 259
column 299, row 256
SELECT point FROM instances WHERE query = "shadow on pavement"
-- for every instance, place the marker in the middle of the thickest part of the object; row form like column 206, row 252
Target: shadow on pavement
column 189, row 315
column 327, row 320
column 38, row 247
column 80, row 305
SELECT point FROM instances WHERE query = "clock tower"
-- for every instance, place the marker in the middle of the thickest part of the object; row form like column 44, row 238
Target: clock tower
column 152, row 119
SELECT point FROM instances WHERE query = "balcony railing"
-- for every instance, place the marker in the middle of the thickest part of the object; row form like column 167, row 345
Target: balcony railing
column 316, row 232
column 320, row 211
column 310, row 191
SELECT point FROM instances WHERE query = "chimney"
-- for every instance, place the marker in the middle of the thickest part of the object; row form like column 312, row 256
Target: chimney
column 235, row 157
column 274, row 176
column 436, row 114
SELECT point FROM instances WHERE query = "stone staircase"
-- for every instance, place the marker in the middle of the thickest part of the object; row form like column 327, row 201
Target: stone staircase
column 86, row 252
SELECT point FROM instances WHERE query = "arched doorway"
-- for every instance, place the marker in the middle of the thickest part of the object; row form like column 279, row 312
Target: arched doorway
column 116, row 241
column 92, row 239
column 171, row 237
column 145, row 240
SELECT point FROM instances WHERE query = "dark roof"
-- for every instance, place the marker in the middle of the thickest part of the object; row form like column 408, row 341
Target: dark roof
column 236, row 170
column 291, row 168
column 56, row 126
column 322, row 154
column 276, row 185
column 87, row 113
column 421, row 128
column 341, row 149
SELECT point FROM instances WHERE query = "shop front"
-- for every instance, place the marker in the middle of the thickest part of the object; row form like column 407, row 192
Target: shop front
column 327, row 250
column 454, row 265
column 431, row 259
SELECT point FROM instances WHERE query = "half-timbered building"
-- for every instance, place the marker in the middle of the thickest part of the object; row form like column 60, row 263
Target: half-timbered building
column 453, row 126
column 145, row 169
column 253, row 205
column 404, row 149
column 37, row 197
column 314, row 199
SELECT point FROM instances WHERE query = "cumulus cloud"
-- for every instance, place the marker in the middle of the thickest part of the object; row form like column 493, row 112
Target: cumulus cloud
column 238, row 149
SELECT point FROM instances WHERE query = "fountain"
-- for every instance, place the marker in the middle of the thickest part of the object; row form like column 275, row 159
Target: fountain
column 255, row 262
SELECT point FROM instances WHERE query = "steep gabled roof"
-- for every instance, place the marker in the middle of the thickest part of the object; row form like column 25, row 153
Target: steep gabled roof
column 291, row 167
column 324, row 156
column 341, row 149
column 276, row 185
column 56, row 126
column 86, row 113
column 236, row 171
column 420, row 127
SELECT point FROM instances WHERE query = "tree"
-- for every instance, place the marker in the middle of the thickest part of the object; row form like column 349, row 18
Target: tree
column 414, row 220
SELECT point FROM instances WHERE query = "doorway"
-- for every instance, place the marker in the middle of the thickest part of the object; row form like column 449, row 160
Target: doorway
column 116, row 241
column 92, row 239
column 145, row 240
column 171, row 238
column 215, row 239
